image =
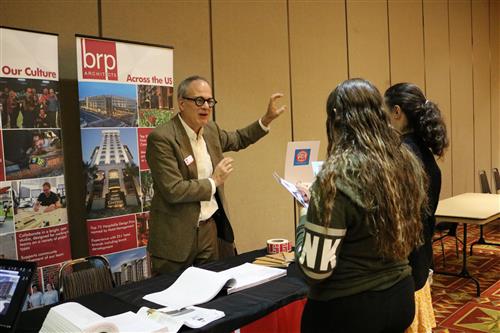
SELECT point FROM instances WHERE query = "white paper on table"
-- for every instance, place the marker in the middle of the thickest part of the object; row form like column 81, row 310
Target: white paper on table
column 131, row 322
column 101, row 327
column 170, row 323
column 191, row 316
column 194, row 286
column 76, row 314
column 250, row 275
column 292, row 189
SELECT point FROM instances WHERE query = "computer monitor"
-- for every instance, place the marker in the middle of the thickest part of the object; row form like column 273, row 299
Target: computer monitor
column 15, row 280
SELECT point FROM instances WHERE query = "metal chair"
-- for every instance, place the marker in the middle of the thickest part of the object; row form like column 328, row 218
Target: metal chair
column 451, row 231
column 485, row 188
column 496, row 177
column 84, row 276
column 483, row 179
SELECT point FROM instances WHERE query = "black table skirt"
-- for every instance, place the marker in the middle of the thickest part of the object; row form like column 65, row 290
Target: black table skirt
column 241, row 308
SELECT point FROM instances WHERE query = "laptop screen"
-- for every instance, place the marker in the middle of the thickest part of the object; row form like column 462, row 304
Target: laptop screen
column 15, row 279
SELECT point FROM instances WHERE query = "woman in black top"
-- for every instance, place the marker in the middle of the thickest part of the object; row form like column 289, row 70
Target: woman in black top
column 422, row 129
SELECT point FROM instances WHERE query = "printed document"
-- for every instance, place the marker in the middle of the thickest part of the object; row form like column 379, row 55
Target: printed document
column 196, row 285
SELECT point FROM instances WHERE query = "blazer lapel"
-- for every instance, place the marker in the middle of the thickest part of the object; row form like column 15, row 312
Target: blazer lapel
column 185, row 146
column 211, row 147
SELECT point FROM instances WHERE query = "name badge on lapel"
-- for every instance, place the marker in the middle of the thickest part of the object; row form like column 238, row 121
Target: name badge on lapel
column 188, row 160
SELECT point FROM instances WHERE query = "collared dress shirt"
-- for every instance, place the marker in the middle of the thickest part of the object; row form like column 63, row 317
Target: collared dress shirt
column 204, row 166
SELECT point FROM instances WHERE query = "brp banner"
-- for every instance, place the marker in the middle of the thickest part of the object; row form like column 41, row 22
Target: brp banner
column 33, row 216
column 125, row 90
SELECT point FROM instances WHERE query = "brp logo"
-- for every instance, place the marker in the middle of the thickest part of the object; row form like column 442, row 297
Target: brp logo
column 99, row 60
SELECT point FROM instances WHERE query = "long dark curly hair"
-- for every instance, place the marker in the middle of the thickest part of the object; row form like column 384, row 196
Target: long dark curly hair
column 366, row 156
column 424, row 116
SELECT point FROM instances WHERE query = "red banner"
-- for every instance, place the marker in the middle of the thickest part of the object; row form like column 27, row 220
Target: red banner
column 143, row 142
column 46, row 246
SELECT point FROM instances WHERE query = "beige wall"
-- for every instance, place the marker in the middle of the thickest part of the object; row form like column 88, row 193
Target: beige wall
column 250, row 49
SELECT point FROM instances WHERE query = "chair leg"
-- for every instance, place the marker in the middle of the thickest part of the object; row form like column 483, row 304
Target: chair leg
column 456, row 247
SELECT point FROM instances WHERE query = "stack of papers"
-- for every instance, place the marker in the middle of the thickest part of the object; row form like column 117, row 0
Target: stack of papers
column 279, row 260
column 74, row 317
column 249, row 275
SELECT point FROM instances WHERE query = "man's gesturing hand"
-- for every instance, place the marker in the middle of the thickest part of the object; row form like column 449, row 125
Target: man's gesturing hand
column 273, row 111
column 222, row 171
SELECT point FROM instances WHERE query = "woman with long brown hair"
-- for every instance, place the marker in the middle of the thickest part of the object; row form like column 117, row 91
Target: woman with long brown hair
column 419, row 123
column 362, row 222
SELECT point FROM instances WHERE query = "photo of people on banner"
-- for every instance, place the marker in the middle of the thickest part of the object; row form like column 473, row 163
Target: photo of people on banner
column 32, row 153
column 27, row 103
column 6, row 208
column 33, row 215
column 39, row 203
column 43, row 292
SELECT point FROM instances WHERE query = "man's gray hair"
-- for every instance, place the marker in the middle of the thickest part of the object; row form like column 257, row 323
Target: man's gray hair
column 184, row 85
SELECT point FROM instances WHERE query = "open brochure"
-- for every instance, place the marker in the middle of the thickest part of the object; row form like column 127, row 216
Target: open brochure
column 251, row 275
column 196, row 285
column 191, row 316
column 74, row 317
column 294, row 190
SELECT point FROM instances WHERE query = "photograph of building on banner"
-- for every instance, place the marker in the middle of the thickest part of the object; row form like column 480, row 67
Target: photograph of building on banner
column 28, row 103
column 155, row 105
column 6, row 208
column 39, row 203
column 112, row 173
column 107, row 104
column 129, row 266
column 32, row 153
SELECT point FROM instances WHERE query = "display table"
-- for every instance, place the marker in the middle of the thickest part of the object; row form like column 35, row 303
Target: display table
column 468, row 209
column 241, row 308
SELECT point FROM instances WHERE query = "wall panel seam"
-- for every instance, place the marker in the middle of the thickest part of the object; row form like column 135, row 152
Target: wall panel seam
column 389, row 40
column 211, row 37
column 491, row 85
column 475, row 162
column 291, row 92
column 347, row 39
column 451, row 103
column 99, row 17
column 423, row 44
column 290, row 68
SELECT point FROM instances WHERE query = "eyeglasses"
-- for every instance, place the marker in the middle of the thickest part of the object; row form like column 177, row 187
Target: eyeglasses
column 199, row 101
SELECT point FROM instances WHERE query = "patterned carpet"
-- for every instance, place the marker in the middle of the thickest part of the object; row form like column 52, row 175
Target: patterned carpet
column 456, row 306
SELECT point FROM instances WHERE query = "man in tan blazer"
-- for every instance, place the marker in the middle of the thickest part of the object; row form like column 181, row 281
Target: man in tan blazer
column 189, row 221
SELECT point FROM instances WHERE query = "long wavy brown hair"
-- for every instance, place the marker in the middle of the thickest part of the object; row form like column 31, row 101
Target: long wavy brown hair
column 366, row 156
